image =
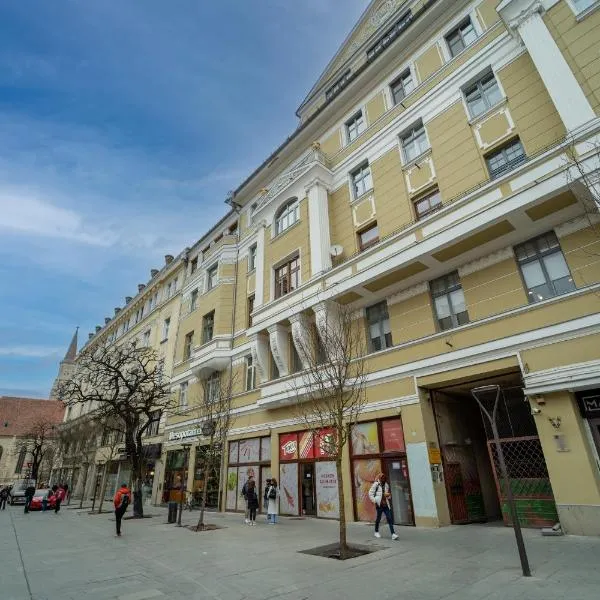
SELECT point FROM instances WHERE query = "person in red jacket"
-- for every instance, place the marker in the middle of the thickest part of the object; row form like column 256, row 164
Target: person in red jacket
column 59, row 496
column 121, row 502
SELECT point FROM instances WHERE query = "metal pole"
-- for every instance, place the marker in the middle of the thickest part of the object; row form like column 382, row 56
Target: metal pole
column 504, row 472
column 95, row 490
column 183, row 483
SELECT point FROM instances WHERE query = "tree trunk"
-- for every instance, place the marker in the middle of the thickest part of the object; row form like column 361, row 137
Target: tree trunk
column 135, row 453
column 342, row 504
column 204, row 495
column 85, row 476
column 103, row 487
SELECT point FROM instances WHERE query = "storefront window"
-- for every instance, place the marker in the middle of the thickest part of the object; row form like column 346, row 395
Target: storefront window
column 247, row 458
column 175, row 475
column 379, row 447
column 212, row 482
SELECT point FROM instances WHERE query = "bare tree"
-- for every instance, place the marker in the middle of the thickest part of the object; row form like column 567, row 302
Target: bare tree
column 213, row 410
column 584, row 177
column 125, row 386
column 330, row 390
column 40, row 444
column 111, row 442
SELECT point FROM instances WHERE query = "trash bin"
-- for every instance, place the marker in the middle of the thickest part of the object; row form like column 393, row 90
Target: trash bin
column 172, row 512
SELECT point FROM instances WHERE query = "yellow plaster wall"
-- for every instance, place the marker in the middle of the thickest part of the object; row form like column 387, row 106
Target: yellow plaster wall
column 429, row 62
column 456, row 171
column 412, row 318
column 493, row 290
column 582, row 253
column 332, row 144
column 487, row 13
column 391, row 199
column 537, row 121
column 341, row 227
column 581, row 349
column 578, row 42
column 375, row 107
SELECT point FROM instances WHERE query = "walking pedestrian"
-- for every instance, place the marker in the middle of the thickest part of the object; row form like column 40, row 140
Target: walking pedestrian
column 59, row 496
column 245, row 495
column 67, row 493
column 3, row 497
column 29, row 494
column 252, row 500
column 121, row 501
column 46, row 499
column 272, row 497
column 381, row 496
column 266, row 497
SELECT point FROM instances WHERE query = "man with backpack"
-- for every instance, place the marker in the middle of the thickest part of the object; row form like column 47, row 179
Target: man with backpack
column 381, row 496
column 121, row 501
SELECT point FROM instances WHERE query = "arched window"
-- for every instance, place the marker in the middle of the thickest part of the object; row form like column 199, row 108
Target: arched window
column 287, row 215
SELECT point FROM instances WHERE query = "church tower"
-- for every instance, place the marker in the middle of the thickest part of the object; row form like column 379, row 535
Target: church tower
column 67, row 366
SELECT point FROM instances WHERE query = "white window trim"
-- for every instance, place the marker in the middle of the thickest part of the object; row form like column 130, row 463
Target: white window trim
column 350, row 177
column 362, row 109
column 581, row 14
column 278, row 264
column 389, row 97
column 443, row 42
column 207, row 281
column 274, row 232
column 473, row 80
column 399, row 137
column 255, row 246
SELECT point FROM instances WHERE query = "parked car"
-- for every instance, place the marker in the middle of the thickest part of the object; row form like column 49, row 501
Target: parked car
column 17, row 494
column 36, row 502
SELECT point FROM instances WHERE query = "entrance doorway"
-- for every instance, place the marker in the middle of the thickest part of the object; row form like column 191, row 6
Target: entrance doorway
column 396, row 470
column 307, row 483
column 474, row 486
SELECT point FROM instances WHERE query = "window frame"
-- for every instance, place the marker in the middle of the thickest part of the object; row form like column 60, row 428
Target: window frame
column 364, row 246
column 383, row 316
column 509, row 165
column 166, row 328
column 212, row 277
column 400, row 79
column 250, row 309
column 194, row 299
column 208, row 325
column 355, row 125
column 188, row 344
column 183, row 390
column 538, row 257
column 252, row 257
column 211, row 385
column 291, row 273
column 193, row 265
column 478, row 86
column 289, row 209
column 457, row 30
column 449, row 288
column 411, row 136
column 362, row 173
column 250, row 379
column 435, row 192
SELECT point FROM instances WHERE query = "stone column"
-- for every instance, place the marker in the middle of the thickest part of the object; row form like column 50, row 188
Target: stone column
column 318, row 221
column 260, row 266
column 525, row 18
column 278, row 337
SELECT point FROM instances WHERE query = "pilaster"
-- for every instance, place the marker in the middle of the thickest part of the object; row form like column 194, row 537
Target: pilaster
column 318, row 222
column 260, row 265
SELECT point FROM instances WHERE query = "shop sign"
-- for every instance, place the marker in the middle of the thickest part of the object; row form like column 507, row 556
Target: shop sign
column 182, row 435
column 589, row 404
column 393, row 436
column 328, row 504
column 288, row 446
column 152, row 451
column 435, row 456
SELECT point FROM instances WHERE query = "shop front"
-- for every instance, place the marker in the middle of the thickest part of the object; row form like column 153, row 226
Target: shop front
column 150, row 456
column 589, row 405
column 378, row 447
column 200, row 479
column 308, row 477
column 247, row 458
column 175, row 475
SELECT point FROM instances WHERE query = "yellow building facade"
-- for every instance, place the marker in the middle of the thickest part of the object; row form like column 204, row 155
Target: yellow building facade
column 441, row 186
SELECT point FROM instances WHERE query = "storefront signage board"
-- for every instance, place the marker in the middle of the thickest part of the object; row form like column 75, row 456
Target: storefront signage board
column 182, row 435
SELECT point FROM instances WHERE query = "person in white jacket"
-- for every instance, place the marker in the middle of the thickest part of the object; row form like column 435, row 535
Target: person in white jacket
column 381, row 496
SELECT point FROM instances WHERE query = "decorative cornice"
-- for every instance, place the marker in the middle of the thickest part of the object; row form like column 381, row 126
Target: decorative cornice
column 486, row 261
column 411, row 292
column 576, row 224
column 516, row 13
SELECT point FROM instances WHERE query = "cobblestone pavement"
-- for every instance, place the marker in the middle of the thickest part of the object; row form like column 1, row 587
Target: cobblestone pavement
column 74, row 555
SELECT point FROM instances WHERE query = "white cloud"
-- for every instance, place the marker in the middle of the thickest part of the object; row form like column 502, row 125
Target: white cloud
column 30, row 351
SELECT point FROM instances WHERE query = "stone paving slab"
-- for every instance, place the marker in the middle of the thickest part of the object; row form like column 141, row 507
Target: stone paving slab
column 75, row 555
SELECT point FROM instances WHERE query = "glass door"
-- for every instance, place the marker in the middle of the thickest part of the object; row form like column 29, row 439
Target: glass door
column 397, row 473
column 307, row 483
column 595, row 427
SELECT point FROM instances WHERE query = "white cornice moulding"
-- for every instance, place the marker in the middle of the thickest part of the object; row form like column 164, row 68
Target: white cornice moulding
column 486, row 261
column 572, row 377
column 576, row 224
column 411, row 292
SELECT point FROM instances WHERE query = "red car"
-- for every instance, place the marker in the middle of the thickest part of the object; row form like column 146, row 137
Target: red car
column 36, row 501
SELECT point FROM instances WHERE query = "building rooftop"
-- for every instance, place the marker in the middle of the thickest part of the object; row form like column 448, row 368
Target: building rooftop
column 19, row 415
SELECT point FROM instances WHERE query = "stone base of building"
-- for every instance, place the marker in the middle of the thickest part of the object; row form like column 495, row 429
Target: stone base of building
column 579, row 519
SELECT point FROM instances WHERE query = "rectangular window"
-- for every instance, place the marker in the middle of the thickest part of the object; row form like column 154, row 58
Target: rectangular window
column 414, row 143
column 369, row 236
column 581, row 5
column 211, row 278
column 166, row 325
column 427, row 204
column 505, row 159
column 338, row 86
column 194, row 300
column 250, row 309
column 402, row 86
column 287, row 277
column 146, row 338
column 21, row 459
column 390, row 35
column 187, row 345
column 378, row 323
column 482, row 95
column 183, row 389
column 355, row 126
column 362, row 181
column 152, row 429
column 193, row 265
column 252, row 258
column 208, row 327
column 458, row 39
column 250, row 373
column 212, row 387
column 543, row 267
column 449, row 301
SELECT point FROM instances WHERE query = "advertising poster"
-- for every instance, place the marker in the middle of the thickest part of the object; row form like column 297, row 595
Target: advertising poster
column 393, row 436
column 233, row 453
column 265, row 473
column 265, row 449
column 288, row 446
column 328, row 503
column 365, row 439
column 231, row 488
column 325, row 443
column 288, row 489
column 364, row 474
column 250, row 450
column 306, row 449
column 244, row 473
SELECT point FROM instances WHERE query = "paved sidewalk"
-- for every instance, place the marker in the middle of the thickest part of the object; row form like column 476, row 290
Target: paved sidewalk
column 73, row 555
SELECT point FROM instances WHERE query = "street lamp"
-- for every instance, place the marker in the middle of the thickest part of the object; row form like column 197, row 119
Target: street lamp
column 186, row 448
column 478, row 393
column 100, row 465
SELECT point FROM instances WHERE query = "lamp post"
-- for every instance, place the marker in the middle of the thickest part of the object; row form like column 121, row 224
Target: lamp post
column 478, row 393
column 100, row 465
column 186, row 448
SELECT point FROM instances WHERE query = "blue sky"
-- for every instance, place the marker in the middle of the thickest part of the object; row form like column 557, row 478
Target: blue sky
column 123, row 124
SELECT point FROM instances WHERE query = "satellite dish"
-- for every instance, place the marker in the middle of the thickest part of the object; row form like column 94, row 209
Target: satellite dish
column 336, row 250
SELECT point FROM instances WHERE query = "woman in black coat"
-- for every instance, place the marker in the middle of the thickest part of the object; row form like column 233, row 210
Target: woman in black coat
column 252, row 499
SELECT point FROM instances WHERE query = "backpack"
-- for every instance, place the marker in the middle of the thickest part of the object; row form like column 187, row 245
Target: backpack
column 272, row 493
column 124, row 501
